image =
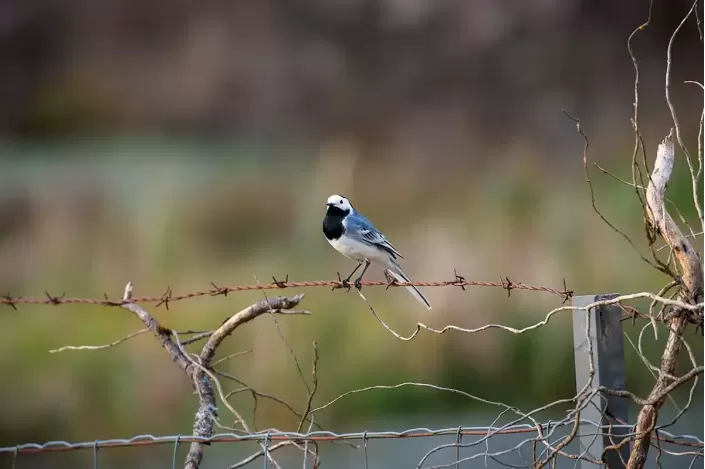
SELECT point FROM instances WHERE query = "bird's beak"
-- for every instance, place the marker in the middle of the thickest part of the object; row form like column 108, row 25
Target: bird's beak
column 330, row 204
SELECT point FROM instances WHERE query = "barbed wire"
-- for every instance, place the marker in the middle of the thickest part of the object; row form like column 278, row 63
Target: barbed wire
column 168, row 296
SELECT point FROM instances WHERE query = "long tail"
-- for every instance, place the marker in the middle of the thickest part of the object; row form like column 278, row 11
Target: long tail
column 396, row 272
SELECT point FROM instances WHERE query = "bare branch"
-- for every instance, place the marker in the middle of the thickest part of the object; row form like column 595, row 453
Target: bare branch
column 164, row 335
column 312, row 391
column 99, row 347
column 232, row 355
column 663, row 223
column 276, row 304
column 690, row 281
column 674, row 116
column 205, row 417
column 259, row 454
column 654, row 398
column 594, row 203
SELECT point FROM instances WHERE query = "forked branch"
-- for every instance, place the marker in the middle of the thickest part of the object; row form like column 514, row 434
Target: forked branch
column 197, row 372
column 690, row 281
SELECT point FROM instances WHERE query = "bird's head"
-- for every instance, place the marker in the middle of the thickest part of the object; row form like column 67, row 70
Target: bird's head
column 338, row 205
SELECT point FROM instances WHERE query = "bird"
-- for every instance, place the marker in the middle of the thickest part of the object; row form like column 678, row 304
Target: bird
column 355, row 237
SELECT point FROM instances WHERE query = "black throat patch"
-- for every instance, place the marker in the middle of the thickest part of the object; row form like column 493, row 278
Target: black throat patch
column 333, row 223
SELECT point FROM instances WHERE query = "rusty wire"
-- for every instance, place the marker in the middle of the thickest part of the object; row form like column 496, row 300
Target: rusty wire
column 168, row 296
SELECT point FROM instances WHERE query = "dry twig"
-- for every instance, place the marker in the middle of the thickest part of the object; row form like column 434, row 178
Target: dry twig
column 691, row 286
column 198, row 371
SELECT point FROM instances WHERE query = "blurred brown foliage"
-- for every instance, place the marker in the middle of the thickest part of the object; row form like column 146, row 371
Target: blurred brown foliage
column 422, row 75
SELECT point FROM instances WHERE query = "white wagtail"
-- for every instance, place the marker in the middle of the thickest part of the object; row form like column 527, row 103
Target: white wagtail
column 352, row 235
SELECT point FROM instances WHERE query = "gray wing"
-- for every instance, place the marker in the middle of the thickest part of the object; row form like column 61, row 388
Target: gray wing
column 360, row 228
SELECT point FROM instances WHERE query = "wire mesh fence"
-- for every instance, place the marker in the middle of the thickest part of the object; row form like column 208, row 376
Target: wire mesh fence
column 517, row 445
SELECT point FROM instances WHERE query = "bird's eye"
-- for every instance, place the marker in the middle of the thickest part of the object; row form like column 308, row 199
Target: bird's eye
column 341, row 202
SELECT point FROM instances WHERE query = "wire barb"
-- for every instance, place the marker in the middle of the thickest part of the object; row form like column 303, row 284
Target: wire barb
column 567, row 294
column 219, row 290
column 7, row 299
column 54, row 300
column 459, row 280
column 164, row 299
column 108, row 302
column 391, row 281
column 507, row 285
column 281, row 283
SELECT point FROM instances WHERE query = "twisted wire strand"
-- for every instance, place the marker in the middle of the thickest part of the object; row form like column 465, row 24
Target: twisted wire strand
column 321, row 435
column 168, row 297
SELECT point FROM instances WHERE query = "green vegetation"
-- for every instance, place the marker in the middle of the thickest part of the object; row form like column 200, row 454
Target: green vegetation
column 84, row 219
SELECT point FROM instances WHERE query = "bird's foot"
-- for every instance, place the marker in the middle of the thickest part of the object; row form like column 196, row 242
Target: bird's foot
column 358, row 283
column 344, row 283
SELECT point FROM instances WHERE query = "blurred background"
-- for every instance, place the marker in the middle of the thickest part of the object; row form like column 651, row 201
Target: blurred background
column 178, row 143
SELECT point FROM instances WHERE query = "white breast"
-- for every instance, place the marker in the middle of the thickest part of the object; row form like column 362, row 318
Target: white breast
column 359, row 251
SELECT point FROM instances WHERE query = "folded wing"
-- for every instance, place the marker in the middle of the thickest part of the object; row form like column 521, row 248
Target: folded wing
column 362, row 229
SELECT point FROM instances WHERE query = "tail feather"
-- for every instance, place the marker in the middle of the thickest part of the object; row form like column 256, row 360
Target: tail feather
column 400, row 276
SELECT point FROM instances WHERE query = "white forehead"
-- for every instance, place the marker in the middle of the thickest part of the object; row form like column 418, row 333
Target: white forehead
column 335, row 199
column 340, row 201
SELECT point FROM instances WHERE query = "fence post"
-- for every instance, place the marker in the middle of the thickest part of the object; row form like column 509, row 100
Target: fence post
column 608, row 360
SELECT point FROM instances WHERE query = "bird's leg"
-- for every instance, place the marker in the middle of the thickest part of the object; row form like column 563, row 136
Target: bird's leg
column 346, row 282
column 343, row 283
column 358, row 285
